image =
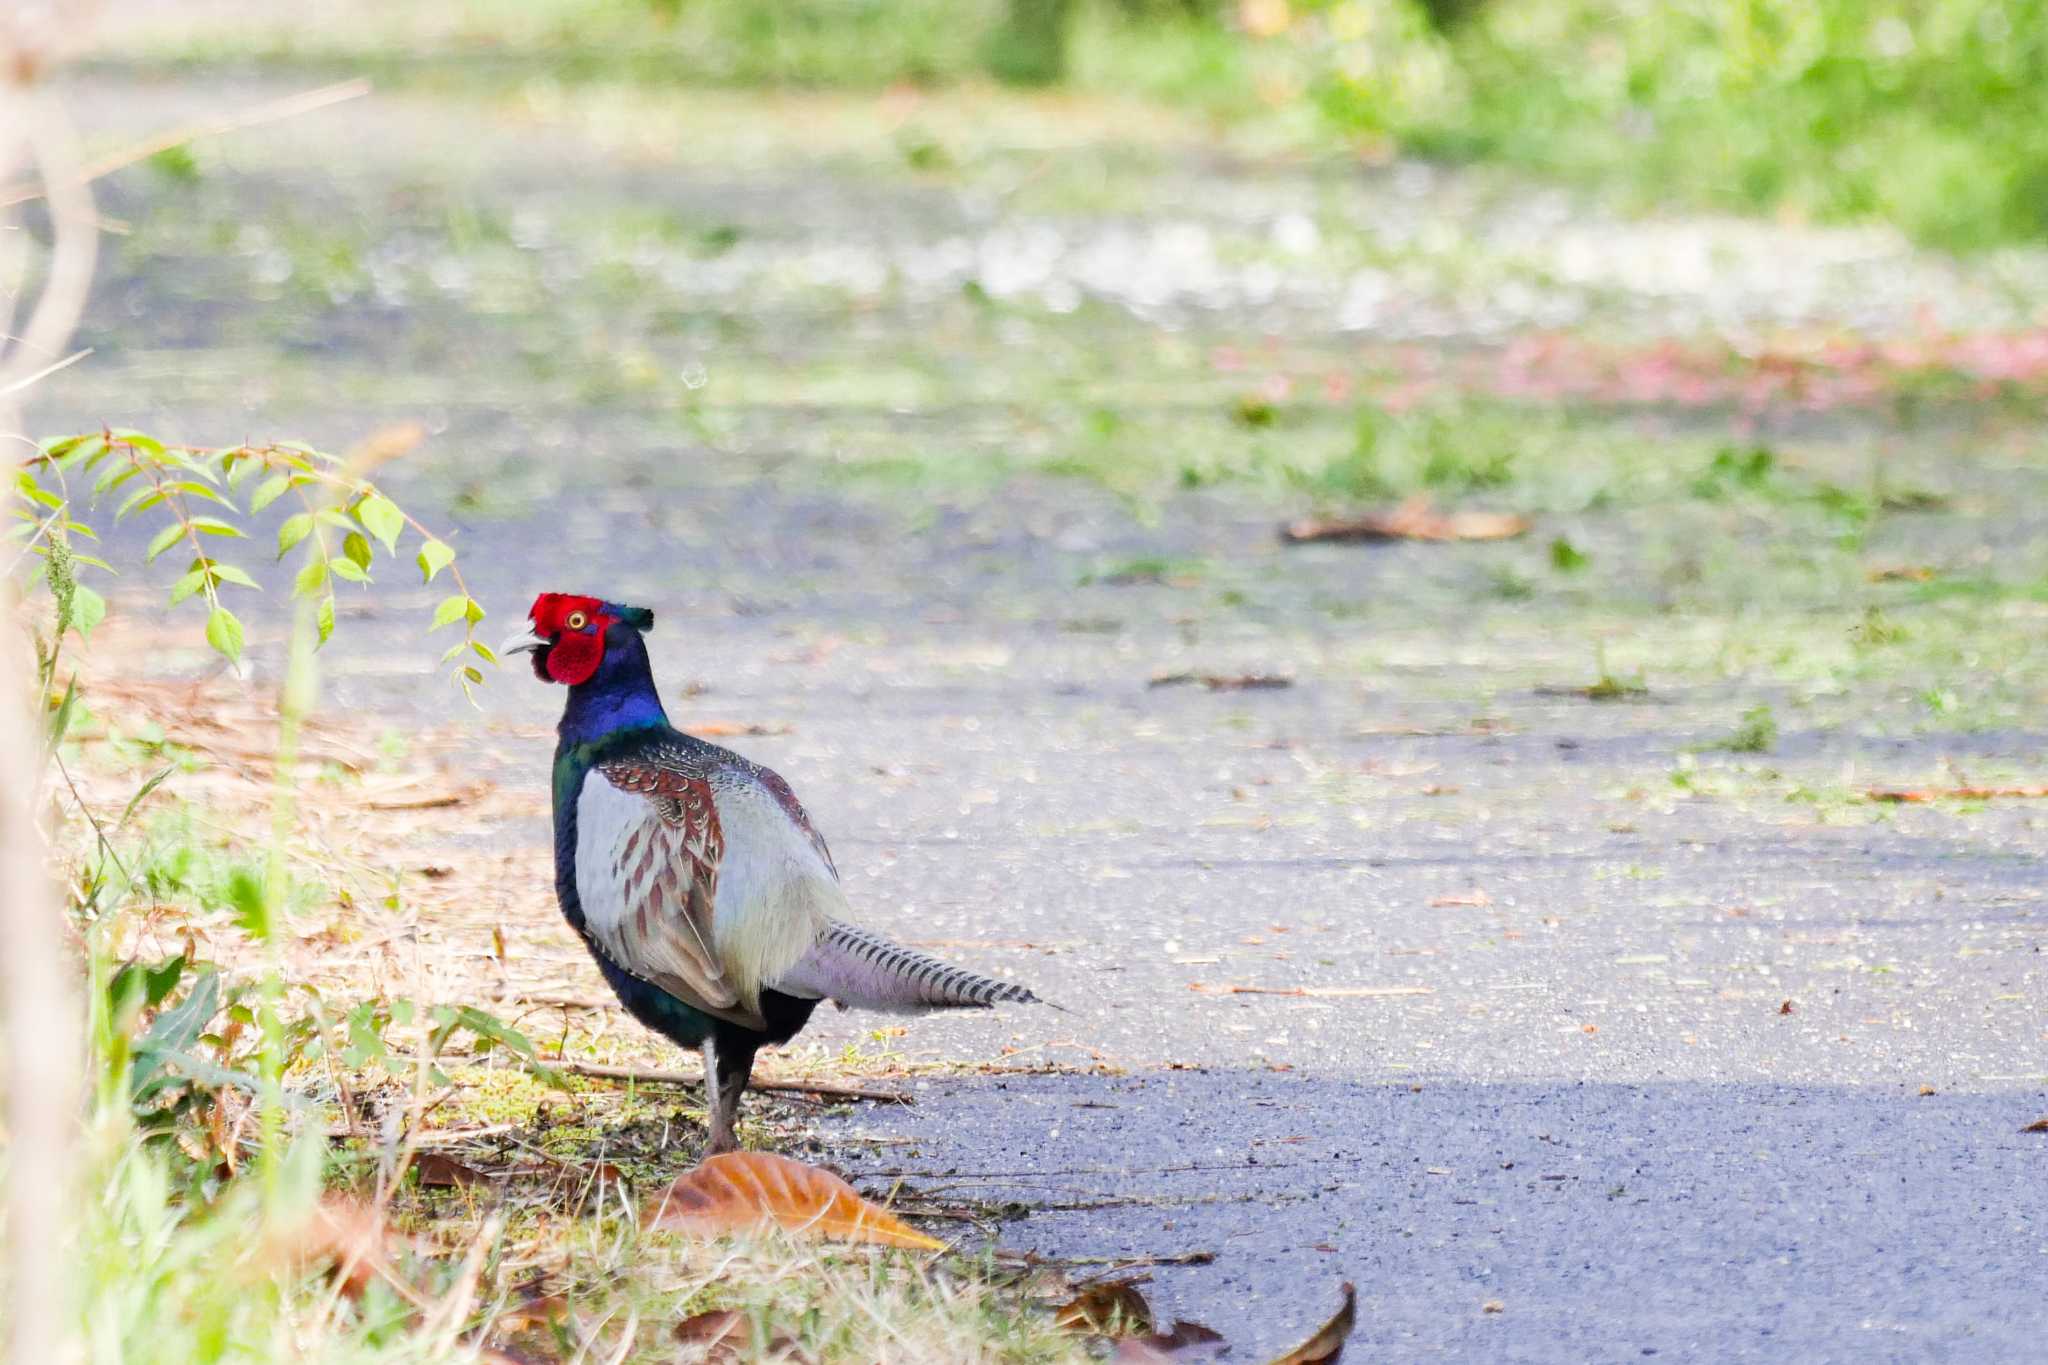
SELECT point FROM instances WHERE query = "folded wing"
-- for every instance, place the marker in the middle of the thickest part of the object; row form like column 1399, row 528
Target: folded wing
column 648, row 851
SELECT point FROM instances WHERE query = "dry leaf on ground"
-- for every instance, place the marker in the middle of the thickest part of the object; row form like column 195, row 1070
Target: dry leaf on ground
column 2037, row 1126
column 1108, row 1308
column 1918, row 794
column 725, row 1336
column 1414, row 519
column 439, row 1171
column 531, row 1312
column 743, row 1191
column 1327, row 1345
column 1185, row 1342
column 347, row 1235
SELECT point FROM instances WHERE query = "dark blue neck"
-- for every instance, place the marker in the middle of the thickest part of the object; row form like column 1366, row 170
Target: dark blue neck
column 619, row 696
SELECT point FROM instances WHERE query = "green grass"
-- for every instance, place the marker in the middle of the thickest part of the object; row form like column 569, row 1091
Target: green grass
column 1923, row 115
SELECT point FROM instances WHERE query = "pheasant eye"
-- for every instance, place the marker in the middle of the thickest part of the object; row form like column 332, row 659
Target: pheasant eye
column 577, row 620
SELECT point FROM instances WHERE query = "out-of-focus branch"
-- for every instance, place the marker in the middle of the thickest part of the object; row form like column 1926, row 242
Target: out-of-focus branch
column 291, row 106
column 38, row 993
column 52, row 154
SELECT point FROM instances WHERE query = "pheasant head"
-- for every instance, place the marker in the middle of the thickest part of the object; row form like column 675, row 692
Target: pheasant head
column 571, row 637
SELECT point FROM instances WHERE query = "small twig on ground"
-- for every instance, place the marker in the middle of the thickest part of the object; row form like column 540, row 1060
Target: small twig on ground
column 1224, row 682
column 823, row 1089
column 1917, row 795
column 1314, row 992
column 1109, row 1264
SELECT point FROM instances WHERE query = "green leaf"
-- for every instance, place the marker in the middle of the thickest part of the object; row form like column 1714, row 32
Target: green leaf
column 141, row 500
column 180, row 1026
column 434, row 557
column 36, row 493
column 142, row 794
column 269, row 491
column 164, row 540
column 112, row 477
column 198, row 490
column 1566, row 557
column 61, row 721
column 471, row 672
column 323, row 618
column 214, row 526
column 357, row 549
column 451, row 610
column 294, row 529
column 484, row 651
column 186, row 586
column 138, row 441
column 228, row 573
column 312, row 578
column 347, row 569
column 251, row 906
column 224, row 633
column 381, row 517
column 88, row 609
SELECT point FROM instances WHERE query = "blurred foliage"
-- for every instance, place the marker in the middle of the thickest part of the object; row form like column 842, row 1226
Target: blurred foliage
column 1925, row 113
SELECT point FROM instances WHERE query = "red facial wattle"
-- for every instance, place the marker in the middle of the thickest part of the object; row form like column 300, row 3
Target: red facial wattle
column 576, row 626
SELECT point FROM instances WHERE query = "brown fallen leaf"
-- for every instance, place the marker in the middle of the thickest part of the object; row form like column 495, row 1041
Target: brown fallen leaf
column 1327, row 1345
column 439, row 1171
column 1475, row 898
column 489, row 1353
column 1785, row 1008
column 348, row 1235
column 537, row 1311
column 728, row 729
column 724, row 1336
column 1414, row 519
column 1185, row 1341
column 2037, row 1126
column 1110, row 1308
column 1224, row 682
column 741, row 1191
column 1919, row 794
column 1311, row 992
column 714, row 1328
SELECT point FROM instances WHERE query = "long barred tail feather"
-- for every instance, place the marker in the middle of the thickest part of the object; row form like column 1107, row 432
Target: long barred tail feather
column 856, row 967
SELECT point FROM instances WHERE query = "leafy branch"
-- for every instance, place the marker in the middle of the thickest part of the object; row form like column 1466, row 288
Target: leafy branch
column 193, row 488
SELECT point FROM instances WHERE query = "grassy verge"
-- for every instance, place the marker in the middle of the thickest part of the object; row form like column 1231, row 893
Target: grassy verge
column 431, row 1195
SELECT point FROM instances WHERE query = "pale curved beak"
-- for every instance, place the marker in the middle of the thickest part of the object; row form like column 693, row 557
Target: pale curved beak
column 527, row 641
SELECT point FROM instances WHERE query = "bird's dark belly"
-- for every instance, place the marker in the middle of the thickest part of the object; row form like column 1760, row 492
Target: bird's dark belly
column 689, row 1026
